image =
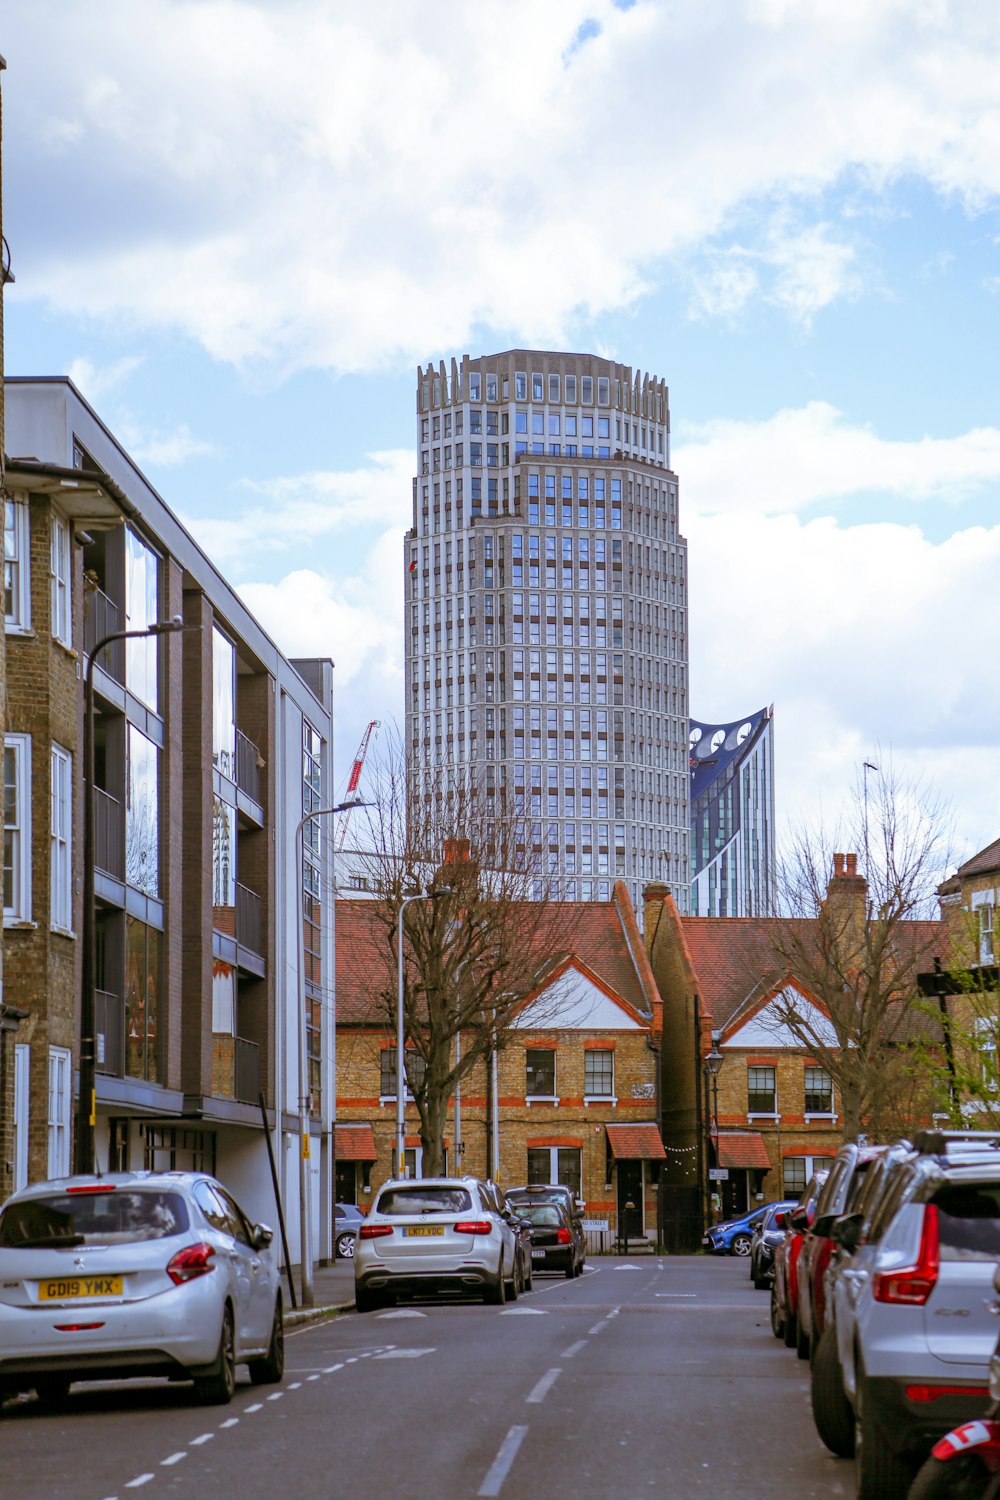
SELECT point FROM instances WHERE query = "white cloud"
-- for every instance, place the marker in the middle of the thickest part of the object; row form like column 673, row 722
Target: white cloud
column 161, row 450
column 801, row 270
column 386, row 187
column 95, row 382
column 806, row 455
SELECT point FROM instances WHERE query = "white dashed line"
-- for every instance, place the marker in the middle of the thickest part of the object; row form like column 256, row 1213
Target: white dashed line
column 500, row 1468
column 597, row 1328
column 294, row 1386
column 313, row 1377
column 134, row 1484
column 332, row 1369
column 175, row 1458
column 275, row 1395
column 543, row 1387
column 232, row 1422
column 206, row 1437
column 574, row 1349
column 257, row 1406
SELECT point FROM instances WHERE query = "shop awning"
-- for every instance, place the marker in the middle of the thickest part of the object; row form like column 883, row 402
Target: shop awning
column 355, row 1143
column 635, row 1143
column 743, row 1150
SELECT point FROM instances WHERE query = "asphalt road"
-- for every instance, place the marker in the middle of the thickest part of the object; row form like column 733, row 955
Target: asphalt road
column 644, row 1377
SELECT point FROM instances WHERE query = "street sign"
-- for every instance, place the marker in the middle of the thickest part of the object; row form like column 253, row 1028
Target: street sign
column 597, row 1226
column 718, row 1174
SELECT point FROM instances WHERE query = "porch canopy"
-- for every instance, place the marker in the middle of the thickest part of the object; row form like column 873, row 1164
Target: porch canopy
column 355, row 1143
column 635, row 1143
column 746, row 1149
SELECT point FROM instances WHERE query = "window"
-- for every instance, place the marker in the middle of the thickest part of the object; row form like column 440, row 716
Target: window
column 17, row 828
column 60, row 565
column 795, row 1176
column 819, row 1092
column 761, row 1091
column 599, row 1073
column 17, row 578
column 986, row 933
column 555, row 1164
column 141, row 611
column 540, row 1073
column 22, row 1074
column 414, row 1069
column 142, row 1000
column 61, row 913
column 60, row 1086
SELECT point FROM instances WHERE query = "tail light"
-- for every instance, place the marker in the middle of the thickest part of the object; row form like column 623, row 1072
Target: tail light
column 192, row 1261
column 474, row 1226
column 563, row 1237
column 374, row 1231
column 912, row 1285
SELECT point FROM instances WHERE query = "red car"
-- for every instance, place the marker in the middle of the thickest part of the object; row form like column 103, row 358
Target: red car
column 784, row 1288
column 840, row 1193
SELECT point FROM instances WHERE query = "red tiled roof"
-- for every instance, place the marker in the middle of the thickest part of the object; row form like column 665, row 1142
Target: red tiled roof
column 982, row 863
column 746, row 1150
column 355, row 1143
column 635, row 1143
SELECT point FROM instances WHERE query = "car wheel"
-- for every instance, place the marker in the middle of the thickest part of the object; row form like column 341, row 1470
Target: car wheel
column 219, row 1386
column 740, row 1245
column 529, row 1278
column 963, row 1477
column 801, row 1342
column 514, row 1282
column 790, row 1331
column 271, row 1369
column 777, row 1321
column 830, row 1407
column 880, row 1473
column 495, row 1292
column 365, row 1301
column 571, row 1270
column 52, row 1391
column 345, row 1244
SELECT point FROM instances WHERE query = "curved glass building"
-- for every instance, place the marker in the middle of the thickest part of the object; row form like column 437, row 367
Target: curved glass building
column 732, row 817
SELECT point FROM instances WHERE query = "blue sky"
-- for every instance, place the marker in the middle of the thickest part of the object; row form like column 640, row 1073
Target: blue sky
column 239, row 227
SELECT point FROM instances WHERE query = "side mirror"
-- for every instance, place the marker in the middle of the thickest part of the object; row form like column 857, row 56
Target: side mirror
column 579, row 1205
column 846, row 1231
column 779, row 1220
column 823, row 1226
column 262, row 1236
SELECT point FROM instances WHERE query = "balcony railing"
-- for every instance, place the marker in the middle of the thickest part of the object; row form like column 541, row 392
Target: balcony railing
column 246, row 1069
column 102, row 617
column 248, row 919
column 109, row 1033
column 248, row 763
column 109, row 842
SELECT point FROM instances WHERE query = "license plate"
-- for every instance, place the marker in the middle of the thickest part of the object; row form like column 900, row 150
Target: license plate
column 79, row 1286
column 422, row 1229
column 538, row 1254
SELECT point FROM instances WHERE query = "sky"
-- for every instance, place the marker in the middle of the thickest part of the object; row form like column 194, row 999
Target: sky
column 239, row 227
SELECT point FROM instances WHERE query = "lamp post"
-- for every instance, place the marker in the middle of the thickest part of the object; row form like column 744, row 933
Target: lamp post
column 711, row 1065
column 305, row 1196
column 435, row 895
column 86, row 1115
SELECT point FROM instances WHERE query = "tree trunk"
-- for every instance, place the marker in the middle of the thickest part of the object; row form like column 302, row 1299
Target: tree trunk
column 434, row 1121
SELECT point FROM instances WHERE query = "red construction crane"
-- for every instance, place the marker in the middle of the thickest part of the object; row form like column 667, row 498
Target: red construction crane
column 353, row 779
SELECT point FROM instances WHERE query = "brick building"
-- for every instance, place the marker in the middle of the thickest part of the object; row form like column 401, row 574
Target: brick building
column 209, row 747
column 575, row 1095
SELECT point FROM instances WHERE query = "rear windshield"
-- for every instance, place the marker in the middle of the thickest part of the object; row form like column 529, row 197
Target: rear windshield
column 113, row 1217
column 969, row 1221
column 424, row 1200
column 540, row 1213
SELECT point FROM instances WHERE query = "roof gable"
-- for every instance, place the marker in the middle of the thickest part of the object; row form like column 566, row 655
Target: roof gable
column 765, row 1026
column 574, row 999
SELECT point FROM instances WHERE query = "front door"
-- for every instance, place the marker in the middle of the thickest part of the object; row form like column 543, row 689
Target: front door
column 347, row 1182
column 735, row 1196
column 630, row 1223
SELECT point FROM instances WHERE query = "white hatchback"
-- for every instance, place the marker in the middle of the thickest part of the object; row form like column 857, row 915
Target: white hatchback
column 135, row 1274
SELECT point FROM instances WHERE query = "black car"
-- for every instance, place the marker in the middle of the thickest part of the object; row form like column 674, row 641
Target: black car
column 554, row 1192
column 767, row 1236
column 553, row 1243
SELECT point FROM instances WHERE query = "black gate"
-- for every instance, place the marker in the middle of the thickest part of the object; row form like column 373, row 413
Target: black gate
column 682, row 1219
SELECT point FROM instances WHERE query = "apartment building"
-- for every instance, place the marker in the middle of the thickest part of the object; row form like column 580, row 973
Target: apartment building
column 732, row 817
column 209, row 747
column 546, row 613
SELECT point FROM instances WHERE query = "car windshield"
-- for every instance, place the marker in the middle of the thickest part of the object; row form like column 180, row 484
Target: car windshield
column 541, row 1213
column 63, row 1220
column 424, row 1200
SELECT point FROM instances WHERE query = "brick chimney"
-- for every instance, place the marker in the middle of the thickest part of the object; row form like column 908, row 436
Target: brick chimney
column 847, row 891
column 456, row 851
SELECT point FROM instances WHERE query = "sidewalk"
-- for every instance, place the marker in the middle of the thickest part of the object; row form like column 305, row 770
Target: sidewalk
column 333, row 1289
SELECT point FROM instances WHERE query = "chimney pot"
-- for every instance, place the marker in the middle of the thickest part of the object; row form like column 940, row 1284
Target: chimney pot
column 838, row 865
column 852, row 864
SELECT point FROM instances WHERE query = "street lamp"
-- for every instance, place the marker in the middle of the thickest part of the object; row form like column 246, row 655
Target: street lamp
column 434, row 895
column 712, row 1063
column 305, row 1196
column 86, row 1116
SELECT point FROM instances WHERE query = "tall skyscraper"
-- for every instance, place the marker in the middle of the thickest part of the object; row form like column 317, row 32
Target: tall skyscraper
column 732, row 817
column 546, row 612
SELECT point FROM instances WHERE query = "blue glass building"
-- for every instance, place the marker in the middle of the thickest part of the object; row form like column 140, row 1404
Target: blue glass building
column 732, row 817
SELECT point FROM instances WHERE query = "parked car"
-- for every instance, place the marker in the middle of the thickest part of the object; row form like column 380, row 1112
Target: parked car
column 784, row 1286
column 555, row 1192
column 733, row 1236
column 767, row 1235
column 135, row 1274
column 840, row 1194
column 522, row 1237
column 553, row 1243
column 347, row 1220
column 431, row 1235
column 914, row 1332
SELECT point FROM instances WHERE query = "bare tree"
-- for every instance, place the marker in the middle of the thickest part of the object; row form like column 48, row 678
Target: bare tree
column 854, row 944
column 473, row 955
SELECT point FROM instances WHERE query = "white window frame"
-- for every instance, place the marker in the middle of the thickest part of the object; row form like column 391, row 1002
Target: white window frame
column 609, row 1098
column 61, row 869
column 18, row 619
column 22, row 1113
column 61, row 574
column 20, row 907
column 60, row 1106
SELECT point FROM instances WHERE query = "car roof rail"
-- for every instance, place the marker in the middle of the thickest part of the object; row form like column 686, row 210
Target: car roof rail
column 954, row 1142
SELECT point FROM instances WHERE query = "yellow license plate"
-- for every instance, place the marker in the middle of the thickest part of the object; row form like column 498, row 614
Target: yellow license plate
column 422, row 1229
column 70, row 1287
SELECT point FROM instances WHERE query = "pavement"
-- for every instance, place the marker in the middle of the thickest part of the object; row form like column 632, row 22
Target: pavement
column 333, row 1291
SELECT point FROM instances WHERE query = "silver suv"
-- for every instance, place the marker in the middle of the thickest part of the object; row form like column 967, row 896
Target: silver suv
column 914, row 1330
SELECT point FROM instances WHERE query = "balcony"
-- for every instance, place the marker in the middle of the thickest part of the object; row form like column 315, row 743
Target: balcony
column 248, row 766
column 102, row 617
column 109, row 839
column 235, row 1068
column 249, row 925
column 109, row 1033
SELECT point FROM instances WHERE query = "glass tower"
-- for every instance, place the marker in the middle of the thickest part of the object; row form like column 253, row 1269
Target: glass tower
column 732, row 817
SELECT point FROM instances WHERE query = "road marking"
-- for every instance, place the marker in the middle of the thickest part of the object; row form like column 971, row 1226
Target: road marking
column 676, row 1294
column 206, row 1437
column 500, row 1467
column 232, row 1422
column 405, row 1353
column 574, row 1349
column 543, row 1387
column 174, row 1458
column 524, row 1312
column 256, row 1407
column 628, row 1267
column 313, row 1377
column 275, row 1396
column 598, row 1327
column 404, row 1312
column 134, row 1484
column 294, row 1386
column 332, row 1369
